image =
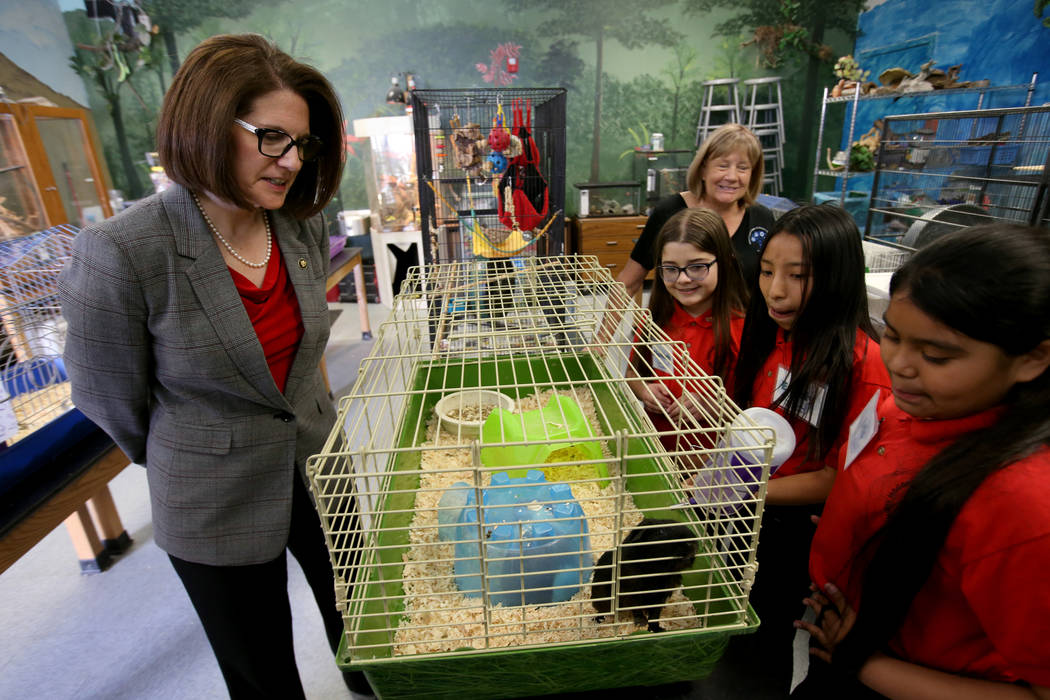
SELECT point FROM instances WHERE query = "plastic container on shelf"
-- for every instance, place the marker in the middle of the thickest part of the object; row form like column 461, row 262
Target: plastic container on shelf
column 856, row 203
column 878, row 286
column 537, row 546
column 778, row 205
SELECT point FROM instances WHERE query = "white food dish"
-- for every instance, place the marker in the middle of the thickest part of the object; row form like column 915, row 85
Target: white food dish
column 480, row 398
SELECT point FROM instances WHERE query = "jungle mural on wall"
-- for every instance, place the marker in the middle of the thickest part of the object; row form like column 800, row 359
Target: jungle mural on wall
column 628, row 71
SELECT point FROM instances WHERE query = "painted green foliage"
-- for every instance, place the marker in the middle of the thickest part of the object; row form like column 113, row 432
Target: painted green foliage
column 172, row 16
column 108, row 59
column 1040, row 8
column 653, row 61
column 624, row 21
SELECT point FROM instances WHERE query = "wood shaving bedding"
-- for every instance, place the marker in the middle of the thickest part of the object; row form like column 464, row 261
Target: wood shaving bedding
column 438, row 618
column 35, row 409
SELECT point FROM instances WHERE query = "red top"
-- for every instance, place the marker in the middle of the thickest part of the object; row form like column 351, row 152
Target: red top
column 698, row 334
column 868, row 376
column 274, row 312
column 985, row 610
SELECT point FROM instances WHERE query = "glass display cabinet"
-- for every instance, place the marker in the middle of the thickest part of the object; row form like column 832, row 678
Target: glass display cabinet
column 662, row 172
column 50, row 172
column 21, row 209
column 391, row 172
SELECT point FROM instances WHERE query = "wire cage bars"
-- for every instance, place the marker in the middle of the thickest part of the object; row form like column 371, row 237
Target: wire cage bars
column 35, row 388
column 882, row 258
column 941, row 171
column 491, row 172
column 494, row 496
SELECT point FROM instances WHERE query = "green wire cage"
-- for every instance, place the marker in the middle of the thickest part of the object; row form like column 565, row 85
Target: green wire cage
column 503, row 517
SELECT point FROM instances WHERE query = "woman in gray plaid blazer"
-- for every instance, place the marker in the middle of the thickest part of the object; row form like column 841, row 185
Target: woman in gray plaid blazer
column 197, row 321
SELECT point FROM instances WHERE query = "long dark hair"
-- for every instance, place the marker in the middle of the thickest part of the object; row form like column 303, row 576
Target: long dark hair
column 825, row 330
column 706, row 230
column 991, row 283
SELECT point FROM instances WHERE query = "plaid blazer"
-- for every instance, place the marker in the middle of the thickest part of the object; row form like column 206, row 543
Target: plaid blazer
column 162, row 356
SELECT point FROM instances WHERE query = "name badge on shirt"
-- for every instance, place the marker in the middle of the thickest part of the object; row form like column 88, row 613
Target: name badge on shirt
column 663, row 358
column 863, row 429
column 812, row 407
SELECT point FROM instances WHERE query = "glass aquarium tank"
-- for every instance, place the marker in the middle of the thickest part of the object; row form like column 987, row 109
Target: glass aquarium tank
column 608, row 198
column 391, row 172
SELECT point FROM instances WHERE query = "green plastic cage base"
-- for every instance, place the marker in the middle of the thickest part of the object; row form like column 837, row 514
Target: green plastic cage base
column 639, row 660
column 512, row 672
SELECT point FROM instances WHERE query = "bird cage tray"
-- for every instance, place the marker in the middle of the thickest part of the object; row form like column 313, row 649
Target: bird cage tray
column 369, row 496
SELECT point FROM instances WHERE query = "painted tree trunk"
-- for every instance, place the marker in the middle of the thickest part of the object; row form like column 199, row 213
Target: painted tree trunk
column 806, row 153
column 135, row 190
column 597, row 141
column 171, row 48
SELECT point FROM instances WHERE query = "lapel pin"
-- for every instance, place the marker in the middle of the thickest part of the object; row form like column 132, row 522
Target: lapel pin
column 302, row 263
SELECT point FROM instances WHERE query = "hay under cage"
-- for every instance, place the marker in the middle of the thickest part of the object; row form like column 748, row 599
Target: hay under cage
column 468, row 548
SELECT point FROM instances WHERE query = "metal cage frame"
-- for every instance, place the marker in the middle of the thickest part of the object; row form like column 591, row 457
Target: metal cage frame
column 540, row 328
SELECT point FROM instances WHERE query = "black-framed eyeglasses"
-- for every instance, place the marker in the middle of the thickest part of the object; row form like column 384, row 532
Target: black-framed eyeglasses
column 274, row 143
column 697, row 272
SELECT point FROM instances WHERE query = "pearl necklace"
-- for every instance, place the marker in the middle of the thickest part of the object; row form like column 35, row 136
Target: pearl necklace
column 234, row 253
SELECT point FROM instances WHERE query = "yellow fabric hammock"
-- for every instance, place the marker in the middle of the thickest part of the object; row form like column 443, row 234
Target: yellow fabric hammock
column 497, row 243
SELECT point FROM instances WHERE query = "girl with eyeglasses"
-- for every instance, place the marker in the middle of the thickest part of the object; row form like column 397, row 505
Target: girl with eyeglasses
column 808, row 352
column 698, row 298
column 197, row 322
column 932, row 558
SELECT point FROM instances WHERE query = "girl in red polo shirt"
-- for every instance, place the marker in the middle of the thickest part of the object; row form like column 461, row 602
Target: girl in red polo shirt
column 807, row 352
column 698, row 298
column 938, row 534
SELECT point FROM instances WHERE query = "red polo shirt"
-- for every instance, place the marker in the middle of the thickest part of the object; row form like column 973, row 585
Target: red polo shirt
column 274, row 312
column 868, row 376
column 698, row 334
column 985, row 610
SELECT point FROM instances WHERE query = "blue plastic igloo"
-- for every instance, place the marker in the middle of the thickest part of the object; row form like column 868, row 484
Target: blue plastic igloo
column 537, row 548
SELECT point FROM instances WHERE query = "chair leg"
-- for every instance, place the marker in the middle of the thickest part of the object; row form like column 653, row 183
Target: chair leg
column 92, row 555
column 115, row 538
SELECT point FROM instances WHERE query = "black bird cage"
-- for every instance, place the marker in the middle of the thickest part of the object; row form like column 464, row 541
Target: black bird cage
column 491, row 172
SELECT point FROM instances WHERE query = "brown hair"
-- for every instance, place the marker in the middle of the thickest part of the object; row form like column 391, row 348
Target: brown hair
column 219, row 81
column 727, row 139
column 704, row 229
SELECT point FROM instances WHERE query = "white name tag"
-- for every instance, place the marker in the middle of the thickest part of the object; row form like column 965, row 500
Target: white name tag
column 663, row 358
column 812, row 407
column 863, row 429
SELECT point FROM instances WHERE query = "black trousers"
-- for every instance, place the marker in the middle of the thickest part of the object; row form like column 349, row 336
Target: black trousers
column 248, row 619
column 758, row 666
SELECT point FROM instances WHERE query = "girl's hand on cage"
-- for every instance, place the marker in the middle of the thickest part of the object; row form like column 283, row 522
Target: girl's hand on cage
column 658, row 399
column 697, row 405
column 835, row 618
